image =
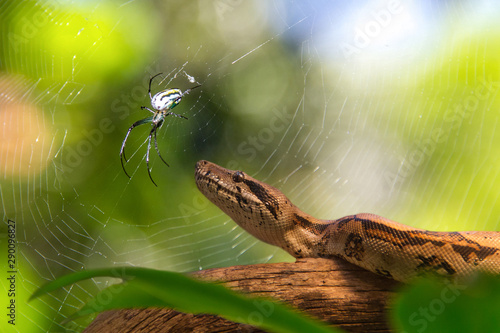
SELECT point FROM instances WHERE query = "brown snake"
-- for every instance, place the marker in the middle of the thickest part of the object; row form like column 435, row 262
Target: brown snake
column 372, row 242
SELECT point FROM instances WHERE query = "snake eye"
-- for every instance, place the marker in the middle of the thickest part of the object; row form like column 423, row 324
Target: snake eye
column 238, row 177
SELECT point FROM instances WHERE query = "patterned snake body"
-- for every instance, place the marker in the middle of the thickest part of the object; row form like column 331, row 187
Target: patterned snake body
column 375, row 243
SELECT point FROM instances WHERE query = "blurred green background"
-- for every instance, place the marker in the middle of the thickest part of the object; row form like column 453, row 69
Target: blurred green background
column 385, row 107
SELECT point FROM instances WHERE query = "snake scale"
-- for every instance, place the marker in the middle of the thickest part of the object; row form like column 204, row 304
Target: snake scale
column 372, row 242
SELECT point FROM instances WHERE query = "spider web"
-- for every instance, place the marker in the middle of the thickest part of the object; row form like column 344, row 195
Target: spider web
column 385, row 107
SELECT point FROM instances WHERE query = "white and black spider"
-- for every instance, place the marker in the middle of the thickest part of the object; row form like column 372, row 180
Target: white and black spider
column 162, row 103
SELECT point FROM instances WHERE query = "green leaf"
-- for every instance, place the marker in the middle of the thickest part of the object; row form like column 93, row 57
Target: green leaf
column 433, row 306
column 143, row 287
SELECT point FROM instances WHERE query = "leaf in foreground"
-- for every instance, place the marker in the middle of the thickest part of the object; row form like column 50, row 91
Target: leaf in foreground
column 143, row 287
column 433, row 306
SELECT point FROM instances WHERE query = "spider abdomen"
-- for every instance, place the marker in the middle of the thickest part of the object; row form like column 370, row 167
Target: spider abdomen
column 166, row 99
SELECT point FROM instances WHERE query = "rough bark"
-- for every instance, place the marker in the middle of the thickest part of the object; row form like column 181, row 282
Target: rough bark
column 335, row 291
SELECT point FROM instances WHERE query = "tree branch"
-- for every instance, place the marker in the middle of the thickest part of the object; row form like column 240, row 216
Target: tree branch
column 332, row 290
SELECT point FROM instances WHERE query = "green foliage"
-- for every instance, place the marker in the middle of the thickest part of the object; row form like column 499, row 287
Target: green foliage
column 424, row 306
column 143, row 287
column 432, row 306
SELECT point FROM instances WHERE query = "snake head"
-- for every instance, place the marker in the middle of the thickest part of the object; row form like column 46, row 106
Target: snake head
column 255, row 206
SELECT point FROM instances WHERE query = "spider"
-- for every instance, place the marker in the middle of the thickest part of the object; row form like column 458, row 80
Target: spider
column 162, row 103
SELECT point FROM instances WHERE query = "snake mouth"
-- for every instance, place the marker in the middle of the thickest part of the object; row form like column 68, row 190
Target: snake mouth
column 207, row 172
column 202, row 167
column 212, row 180
column 199, row 168
column 217, row 184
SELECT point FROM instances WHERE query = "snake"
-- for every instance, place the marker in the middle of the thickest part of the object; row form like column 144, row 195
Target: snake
column 375, row 243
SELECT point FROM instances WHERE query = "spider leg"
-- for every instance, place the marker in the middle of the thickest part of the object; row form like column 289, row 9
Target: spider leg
column 189, row 90
column 146, row 108
column 147, row 155
column 156, row 146
column 122, row 150
column 151, row 80
column 175, row 114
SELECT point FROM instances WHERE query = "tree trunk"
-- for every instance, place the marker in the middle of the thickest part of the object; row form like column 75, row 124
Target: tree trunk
column 332, row 290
